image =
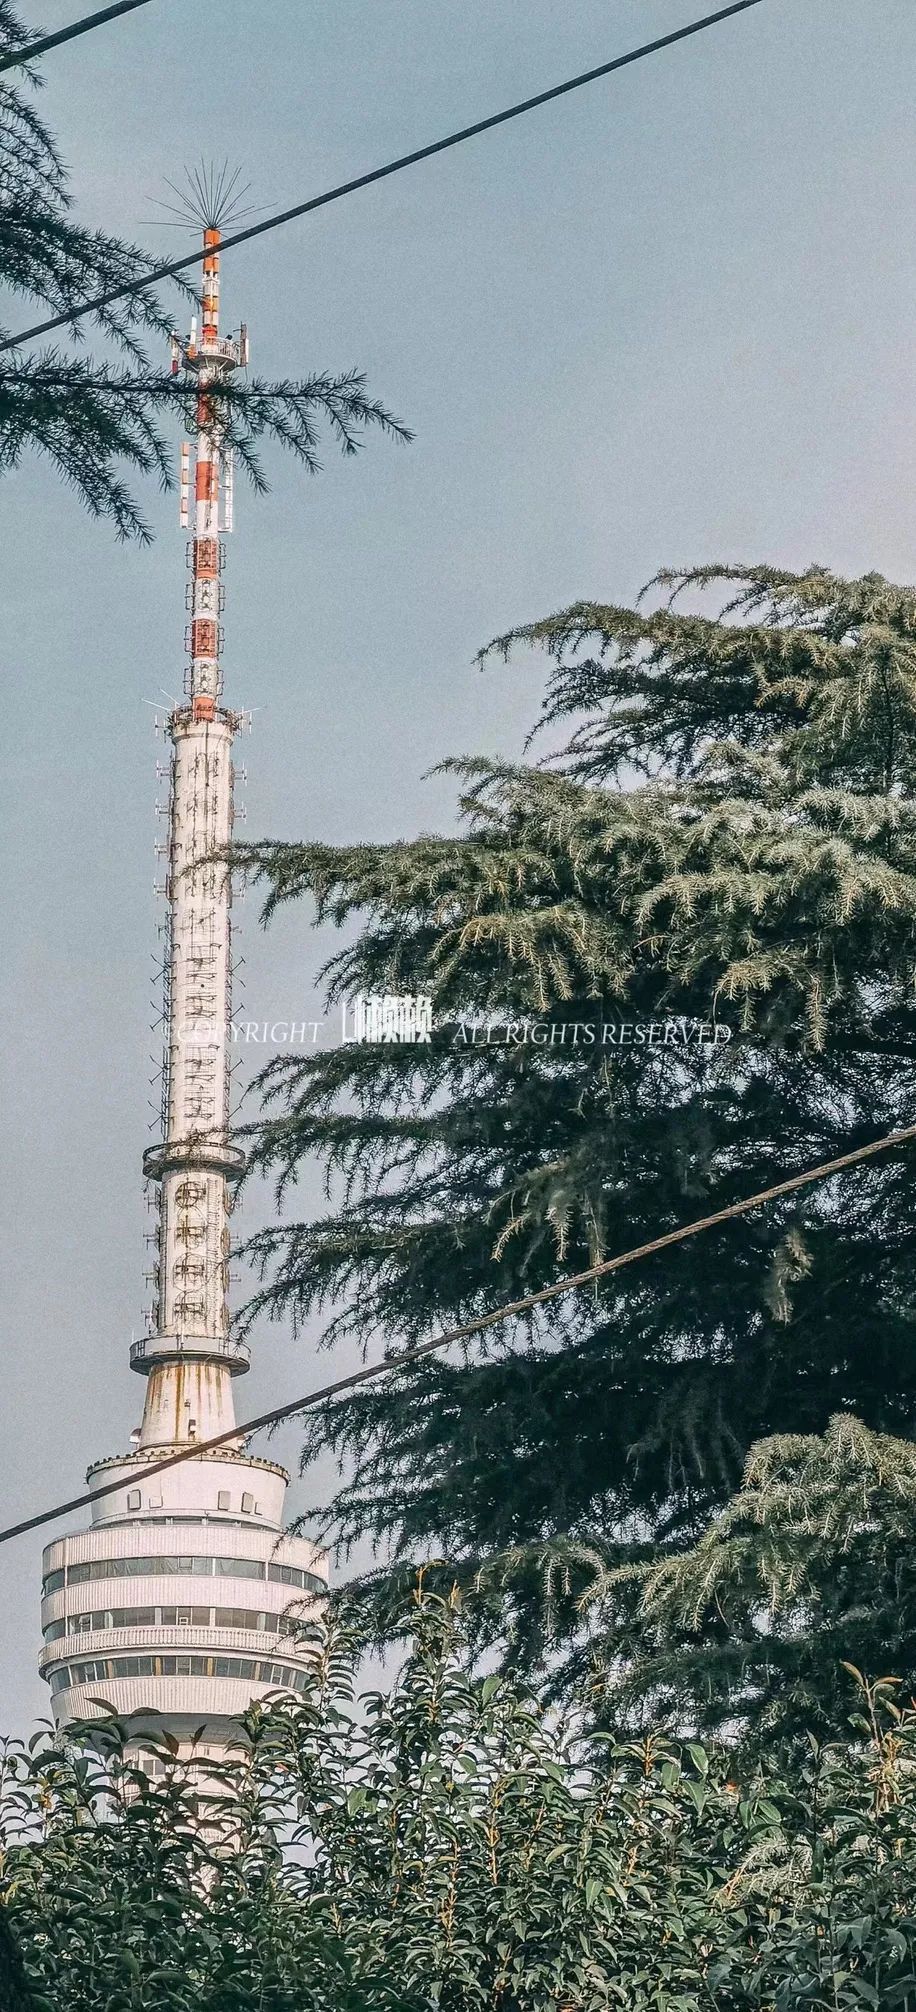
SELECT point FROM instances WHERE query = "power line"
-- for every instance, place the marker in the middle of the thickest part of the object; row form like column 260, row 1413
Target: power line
column 29, row 50
column 334, row 195
column 408, row 1356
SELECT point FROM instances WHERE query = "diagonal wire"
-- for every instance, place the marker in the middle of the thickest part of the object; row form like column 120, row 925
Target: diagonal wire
column 334, row 195
column 395, row 1363
column 29, row 50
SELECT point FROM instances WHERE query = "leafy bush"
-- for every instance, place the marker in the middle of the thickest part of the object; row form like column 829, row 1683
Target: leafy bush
column 446, row 1847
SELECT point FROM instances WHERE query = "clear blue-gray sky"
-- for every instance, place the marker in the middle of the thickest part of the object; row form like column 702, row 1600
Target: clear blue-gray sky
column 669, row 319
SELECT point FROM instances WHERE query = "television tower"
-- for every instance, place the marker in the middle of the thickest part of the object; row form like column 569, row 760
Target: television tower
column 186, row 1598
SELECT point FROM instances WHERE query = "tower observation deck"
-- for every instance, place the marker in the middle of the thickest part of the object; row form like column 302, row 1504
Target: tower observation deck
column 186, row 1598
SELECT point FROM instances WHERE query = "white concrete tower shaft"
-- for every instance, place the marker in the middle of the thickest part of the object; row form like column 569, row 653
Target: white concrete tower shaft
column 189, row 1357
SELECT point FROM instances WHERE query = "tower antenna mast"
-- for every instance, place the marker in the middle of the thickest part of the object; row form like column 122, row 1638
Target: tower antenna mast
column 190, row 1624
column 189, row 1355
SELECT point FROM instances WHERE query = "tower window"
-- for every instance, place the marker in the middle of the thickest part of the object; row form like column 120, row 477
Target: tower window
column 222, row 1500
column 133, row 1498
column 247, row 1505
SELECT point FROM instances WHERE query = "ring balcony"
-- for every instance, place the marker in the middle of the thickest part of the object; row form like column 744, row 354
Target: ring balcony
column 214, row 1154
column 293, row 1647
column 152, row 1348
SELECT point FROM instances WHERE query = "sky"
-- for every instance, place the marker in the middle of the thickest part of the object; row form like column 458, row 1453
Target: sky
column 667, row 320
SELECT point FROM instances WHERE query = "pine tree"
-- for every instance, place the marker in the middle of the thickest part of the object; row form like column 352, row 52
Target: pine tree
column 729, row 837
column 96, row 417
column 807, row 1573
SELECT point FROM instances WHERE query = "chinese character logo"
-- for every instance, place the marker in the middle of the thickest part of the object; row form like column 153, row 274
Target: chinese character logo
column 401, row 1017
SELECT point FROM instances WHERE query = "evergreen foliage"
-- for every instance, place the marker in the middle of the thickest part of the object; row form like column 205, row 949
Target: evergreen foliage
column 730, row 836
column 807, row 1570
column 447, row 1847
column 95, row 418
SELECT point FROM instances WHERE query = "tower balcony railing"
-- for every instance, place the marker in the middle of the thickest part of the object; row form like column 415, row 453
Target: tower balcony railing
column 221, row 348
column 223, row 1641
column 153, row 1348
column 212, row 1152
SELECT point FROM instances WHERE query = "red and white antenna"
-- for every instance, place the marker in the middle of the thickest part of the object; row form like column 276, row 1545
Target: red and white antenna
column 189, row 1342
column 209, row 200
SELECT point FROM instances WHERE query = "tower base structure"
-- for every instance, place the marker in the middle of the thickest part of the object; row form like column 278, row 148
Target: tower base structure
column 184, row 1603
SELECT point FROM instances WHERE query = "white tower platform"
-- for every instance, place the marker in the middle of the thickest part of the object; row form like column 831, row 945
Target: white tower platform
column 186, row 1600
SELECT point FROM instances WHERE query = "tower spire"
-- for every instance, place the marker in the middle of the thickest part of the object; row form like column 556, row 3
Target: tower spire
column 187, row 1598
column 188, row 1355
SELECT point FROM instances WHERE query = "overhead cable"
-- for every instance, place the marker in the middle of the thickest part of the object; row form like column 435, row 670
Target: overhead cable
column 395, row 167
column 13, row 59
column 406, row 1357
